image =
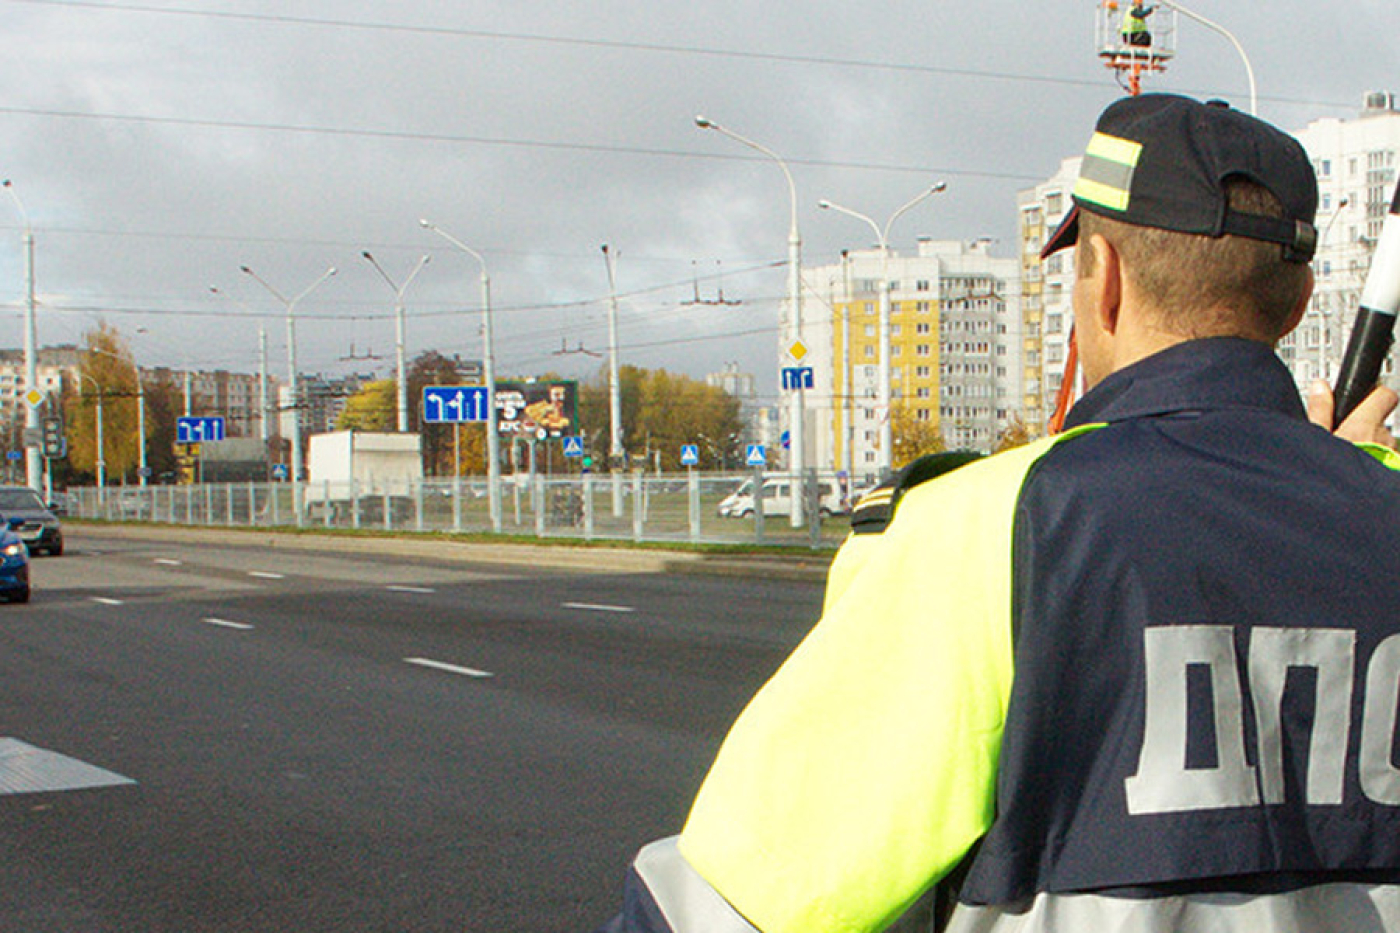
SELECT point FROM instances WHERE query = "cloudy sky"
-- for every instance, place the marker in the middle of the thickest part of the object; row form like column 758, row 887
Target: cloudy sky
column 159, row 145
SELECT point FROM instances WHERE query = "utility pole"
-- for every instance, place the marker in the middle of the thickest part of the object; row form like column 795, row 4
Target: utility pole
column 617, row 455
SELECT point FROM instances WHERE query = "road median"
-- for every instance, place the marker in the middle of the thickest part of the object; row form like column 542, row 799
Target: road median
column 558, row 555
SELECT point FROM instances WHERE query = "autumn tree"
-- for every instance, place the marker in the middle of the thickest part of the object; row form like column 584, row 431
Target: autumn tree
column 661, row 411
column 440, row 457
column 373, row 408
column 1015, row 434
column 107, row 383
column 913, row 437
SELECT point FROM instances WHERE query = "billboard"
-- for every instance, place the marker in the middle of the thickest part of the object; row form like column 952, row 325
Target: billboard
column 526, row 409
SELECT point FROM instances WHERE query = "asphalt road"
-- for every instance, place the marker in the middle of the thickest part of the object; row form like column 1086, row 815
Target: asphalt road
column 256, row 739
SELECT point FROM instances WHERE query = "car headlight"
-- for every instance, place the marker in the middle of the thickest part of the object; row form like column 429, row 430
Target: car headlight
column 15, row 550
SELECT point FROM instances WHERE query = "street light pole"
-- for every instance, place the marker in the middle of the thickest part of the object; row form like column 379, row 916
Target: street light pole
column 140, row 415
column 33, row 466
column 1248, row 69
column 798, row 404
column 293, row 387
column 886, row 459
column 488, row 366
column 99, row 460
column 399, row 331
column 616, row 453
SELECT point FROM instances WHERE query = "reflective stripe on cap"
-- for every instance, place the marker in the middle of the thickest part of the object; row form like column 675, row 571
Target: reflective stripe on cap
column 1106, row 175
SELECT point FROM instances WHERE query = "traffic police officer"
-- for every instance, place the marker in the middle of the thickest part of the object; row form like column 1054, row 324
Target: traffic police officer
column 1142, row 676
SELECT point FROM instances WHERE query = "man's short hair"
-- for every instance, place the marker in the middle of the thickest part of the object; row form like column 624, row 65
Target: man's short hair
column 1207, row 286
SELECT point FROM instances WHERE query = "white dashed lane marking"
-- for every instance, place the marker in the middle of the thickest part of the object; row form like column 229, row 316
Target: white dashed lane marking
column 106, row 601
column 402, row 588
column 449, row 668
column 598, row 607
column 267, row 575
column 227, row 623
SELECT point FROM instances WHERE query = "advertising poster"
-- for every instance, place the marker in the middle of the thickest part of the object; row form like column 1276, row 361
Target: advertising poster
column 548, row 408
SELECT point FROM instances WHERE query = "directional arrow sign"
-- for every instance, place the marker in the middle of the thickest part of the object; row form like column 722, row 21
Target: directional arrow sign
column 454, row 404
column 690, row 455
column 798, row 377
column 573, row 446
column 198, row 430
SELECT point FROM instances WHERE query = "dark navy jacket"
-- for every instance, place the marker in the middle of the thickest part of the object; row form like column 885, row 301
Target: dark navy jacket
column 1207, row 617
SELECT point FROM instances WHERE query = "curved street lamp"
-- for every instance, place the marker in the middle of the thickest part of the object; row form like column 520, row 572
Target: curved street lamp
column 798, row 405
column 1248, row 69
column 292, row 386
column 99, row 461
column 262, row 366
column 882, row 235
column 401, row 367
column 488, row 367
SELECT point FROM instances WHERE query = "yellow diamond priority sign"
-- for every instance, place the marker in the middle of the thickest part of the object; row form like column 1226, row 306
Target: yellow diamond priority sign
column 797, row 350
column 35, row 398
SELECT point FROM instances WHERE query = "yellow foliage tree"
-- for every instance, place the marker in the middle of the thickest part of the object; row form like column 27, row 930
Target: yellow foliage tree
column 107, row 387
column 913, row 438
column 373, row 408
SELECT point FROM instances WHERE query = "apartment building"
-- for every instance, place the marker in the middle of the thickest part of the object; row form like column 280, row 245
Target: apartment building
column 235, row 397
column 1047, row 317
column 1355, row 161
column 54, row 368
column 955, row 348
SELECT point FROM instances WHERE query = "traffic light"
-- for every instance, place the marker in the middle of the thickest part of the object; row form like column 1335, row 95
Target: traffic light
column 54, row 443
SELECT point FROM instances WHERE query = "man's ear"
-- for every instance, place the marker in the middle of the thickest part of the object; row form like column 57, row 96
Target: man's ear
column 1106, row 284
column 1301, row 308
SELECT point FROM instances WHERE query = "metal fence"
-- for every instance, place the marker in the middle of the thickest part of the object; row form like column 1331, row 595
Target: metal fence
column 682, row 507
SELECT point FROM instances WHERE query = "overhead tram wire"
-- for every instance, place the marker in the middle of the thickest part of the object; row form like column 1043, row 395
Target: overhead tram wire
column 365, row 133
column 609, row 44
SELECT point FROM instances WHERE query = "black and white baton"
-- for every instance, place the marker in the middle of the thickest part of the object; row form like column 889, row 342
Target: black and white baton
column 1374, row 330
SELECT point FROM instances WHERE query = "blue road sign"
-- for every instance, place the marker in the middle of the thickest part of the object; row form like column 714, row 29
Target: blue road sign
column 573, row 446
column 454, row 404
column 280, row 471
column 755, row 456
column 14, row 455
column 690, row 455
column 798, row 377
column 198, row 430
column 786, row 439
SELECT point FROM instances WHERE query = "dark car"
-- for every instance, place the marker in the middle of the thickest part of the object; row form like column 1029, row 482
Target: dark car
column 14, row 563
column 39, row 528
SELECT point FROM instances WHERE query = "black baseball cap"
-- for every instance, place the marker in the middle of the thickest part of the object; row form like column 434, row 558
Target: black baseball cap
column 1161, row 160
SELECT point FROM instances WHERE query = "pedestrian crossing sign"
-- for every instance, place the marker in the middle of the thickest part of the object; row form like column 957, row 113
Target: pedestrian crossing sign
column 573, row 446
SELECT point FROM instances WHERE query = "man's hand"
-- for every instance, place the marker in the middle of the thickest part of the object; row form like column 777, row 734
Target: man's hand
column 1366, row 423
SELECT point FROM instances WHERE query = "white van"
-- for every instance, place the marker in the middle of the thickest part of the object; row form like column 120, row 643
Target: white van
column 777, row 498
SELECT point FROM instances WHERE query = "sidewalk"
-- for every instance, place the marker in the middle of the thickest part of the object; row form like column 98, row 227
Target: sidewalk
column 800, row 565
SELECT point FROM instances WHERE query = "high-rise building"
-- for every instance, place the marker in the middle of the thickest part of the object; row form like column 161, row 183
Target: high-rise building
column 1047, row 287
column 955, row 349
column 55, row 367
column 235, row 397
column 1355, row 161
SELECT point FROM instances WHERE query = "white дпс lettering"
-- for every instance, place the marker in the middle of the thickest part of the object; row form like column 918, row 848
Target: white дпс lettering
column 1164, row 784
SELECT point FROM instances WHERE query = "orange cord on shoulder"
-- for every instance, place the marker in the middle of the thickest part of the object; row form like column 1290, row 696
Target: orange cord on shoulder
column 1065, row 397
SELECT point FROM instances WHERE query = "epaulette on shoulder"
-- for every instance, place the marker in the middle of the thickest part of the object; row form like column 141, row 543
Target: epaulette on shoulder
column 875, row 510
